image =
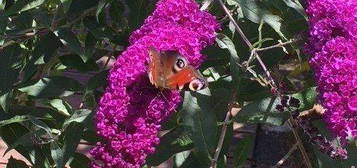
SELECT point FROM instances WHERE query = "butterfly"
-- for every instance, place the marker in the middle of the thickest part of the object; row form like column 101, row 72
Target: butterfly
column 170, row 70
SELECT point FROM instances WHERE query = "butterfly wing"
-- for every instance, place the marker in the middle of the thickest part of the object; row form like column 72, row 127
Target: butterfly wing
column 183, row 77
column 160, row 67
column 154, row 63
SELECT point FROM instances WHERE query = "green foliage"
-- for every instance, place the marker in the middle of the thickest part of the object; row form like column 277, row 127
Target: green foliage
column 43, row 41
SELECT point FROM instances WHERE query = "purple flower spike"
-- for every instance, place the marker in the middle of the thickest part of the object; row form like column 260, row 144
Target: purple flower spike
column 131, row 110
column 333, row 46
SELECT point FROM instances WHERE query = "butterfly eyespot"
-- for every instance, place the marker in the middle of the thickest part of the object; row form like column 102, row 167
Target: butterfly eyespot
column 197, row 84
column 181, row 63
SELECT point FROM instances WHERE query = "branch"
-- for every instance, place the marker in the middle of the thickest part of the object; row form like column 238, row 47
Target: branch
column 223, row 132
column 276, row 45
column 293, row 126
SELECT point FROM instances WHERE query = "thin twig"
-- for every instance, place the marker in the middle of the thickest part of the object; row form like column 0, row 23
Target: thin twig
column 293, row 124
column 282, row 160
column 223, row 132
column 276, row 45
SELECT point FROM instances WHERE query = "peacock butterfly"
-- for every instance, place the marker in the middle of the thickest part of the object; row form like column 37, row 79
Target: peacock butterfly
column 170, row 70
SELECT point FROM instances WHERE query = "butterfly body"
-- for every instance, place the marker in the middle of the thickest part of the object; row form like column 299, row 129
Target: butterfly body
column 170, row 70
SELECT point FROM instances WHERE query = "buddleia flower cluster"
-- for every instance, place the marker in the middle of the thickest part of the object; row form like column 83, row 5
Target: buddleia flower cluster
column 333, row 46
column 131, row 110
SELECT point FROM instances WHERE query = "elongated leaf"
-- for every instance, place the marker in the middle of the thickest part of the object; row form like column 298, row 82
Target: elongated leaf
column 97, row 80
column 43, row 52
column 8, row 74
column 66, row 5
column 62, row 106
column 68, row 38
column 255, row 13
column 139, row 10
column 101, row 6
column 171, row 143
column 57, row 154
column 14, row 163
column 12, row 133
column 21, row 6
column 79, row 116
column 80, row 161
column 16, row 119
column 4, row 101
column 265, row 110
column 52, row 87
column 72, row 137
column 295, row 4
column 199, row 118
column 225, row 42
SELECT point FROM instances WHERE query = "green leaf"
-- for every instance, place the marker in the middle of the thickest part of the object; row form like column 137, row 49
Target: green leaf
column 57, row 154
column 256, row 13
column 69, row 39
column 265, row 111
column 243, row 149
column 15, row 119
column 96, row 29
column 43, row 52
column 80, row 161
column 171, row 143
column 181, row 157
column 61, row 106
column 13, row 163
column 66, row 5
column 225, row 42
column 139, row 10
column 101, row 6
column 3, row 23
column 200, row 121
column 98, row 80
column 12, row 133
column 4, row 101
column 90, row 44
column 72, row 136
column 193, row 161
column 52, row 87
column 21, row 6
column 8, row 73
column 79, row 116
column 75, row 61
column 295, row 4
column 78, row 7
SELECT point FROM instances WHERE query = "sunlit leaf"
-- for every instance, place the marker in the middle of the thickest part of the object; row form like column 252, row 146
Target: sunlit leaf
column 255, row 13
column 57, row 154
column 171, row 143
column 15, row 119
column 21, row 6
column 79, row 116
column 68, row 38
column 198, row 118
column 62, row 106
column 52, row 87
